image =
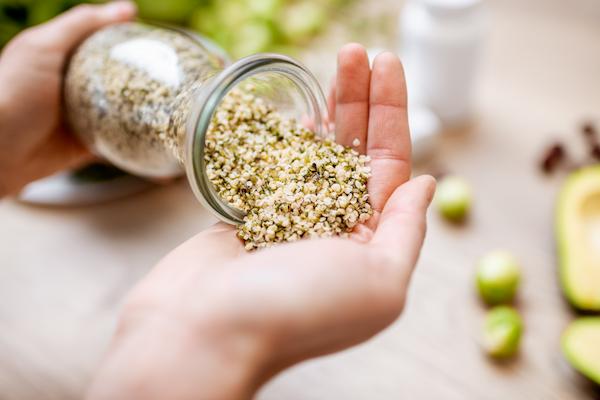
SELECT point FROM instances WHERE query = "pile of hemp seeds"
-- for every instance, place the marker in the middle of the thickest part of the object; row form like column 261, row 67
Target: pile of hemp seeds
column 291, row 183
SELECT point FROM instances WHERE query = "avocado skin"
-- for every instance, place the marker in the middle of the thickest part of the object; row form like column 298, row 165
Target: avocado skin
column 569, row 342
column 572, row 187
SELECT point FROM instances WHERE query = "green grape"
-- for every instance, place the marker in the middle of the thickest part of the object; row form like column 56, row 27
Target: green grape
column 453, row 198
column 251, row 38
column 203, row 20
column 267, row 9
column 502, row 332
column 231, row 14
column 303, row 20
column 498, row 275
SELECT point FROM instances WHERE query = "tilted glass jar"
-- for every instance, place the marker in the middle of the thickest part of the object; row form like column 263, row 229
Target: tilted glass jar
column 143, row 96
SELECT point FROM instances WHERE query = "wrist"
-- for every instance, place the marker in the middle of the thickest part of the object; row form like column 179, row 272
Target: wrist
column 160, row 359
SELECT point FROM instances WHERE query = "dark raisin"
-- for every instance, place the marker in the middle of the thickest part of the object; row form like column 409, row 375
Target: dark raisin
column 595, row 152
column 554, row 156
column 588, row 129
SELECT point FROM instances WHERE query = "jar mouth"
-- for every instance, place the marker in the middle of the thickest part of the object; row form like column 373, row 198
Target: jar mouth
column 208, row 99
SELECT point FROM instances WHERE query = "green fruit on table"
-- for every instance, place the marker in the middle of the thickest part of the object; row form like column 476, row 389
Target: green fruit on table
column 502, row 331
column 252, row 38
column 302, row 20
column 279, row 24
column 230, row 14
column 453, row 198
column 265, row 8
column 578, row 238
column 203, row 20
column 498, row 276
column 581, row 346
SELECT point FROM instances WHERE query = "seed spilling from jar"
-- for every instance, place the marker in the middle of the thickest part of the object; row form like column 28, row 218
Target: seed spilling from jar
column 291, row 183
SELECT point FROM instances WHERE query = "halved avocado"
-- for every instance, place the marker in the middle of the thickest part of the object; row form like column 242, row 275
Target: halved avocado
column 581, row 346
column 578, row 238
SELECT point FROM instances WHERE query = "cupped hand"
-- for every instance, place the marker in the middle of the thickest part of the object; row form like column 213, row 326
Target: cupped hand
column 211, row 307
column 33, row 139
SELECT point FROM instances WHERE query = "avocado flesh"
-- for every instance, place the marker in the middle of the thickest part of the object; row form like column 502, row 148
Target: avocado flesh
column 578, row 237
column 581, row 346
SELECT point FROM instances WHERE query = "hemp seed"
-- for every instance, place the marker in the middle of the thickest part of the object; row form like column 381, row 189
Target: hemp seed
column 291, row 183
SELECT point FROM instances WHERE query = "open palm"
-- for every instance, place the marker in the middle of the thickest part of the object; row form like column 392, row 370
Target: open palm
column 294, row 301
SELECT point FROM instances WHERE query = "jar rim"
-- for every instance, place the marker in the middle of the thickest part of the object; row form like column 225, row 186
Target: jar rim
column 207, row 100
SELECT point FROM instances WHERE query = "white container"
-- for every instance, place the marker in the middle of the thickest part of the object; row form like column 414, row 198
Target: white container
column 441, row 42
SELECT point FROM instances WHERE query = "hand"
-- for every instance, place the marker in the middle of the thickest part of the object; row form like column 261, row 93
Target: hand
column 33, row 139
column 212, row 321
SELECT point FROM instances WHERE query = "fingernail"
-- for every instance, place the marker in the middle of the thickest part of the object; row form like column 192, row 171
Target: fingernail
column 120, row 10
column 386, row 56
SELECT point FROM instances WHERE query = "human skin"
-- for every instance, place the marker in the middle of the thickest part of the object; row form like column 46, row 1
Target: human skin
column 212, row 321
column 34, row 140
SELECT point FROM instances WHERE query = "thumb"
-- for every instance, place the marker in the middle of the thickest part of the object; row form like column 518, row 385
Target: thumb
column 70, row 28
column 402, row 226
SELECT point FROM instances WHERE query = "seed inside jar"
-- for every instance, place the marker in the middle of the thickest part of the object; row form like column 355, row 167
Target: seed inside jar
column 129, row 89
column 291, row 183
column 128, row 92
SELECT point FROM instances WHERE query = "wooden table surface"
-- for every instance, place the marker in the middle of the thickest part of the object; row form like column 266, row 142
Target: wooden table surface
column 64, row 271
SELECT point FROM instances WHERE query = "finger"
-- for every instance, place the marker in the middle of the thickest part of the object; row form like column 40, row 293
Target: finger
column 352, row 96
column 388, row 142
column 70, row 28
column 59, row 152
column 402, row 224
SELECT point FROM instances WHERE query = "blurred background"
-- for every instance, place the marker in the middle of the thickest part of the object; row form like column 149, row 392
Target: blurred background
column 242, row 27
column 503, row 95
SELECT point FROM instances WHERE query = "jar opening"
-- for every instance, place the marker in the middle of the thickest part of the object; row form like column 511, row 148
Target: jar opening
column 280, row 81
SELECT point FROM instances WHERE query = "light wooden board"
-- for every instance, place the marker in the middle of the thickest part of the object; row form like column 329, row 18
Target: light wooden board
column 63, row 271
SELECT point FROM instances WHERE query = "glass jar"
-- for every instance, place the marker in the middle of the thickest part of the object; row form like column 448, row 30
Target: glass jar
column 143, row 96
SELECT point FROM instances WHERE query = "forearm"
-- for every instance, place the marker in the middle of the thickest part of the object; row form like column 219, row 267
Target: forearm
column 167, row 362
